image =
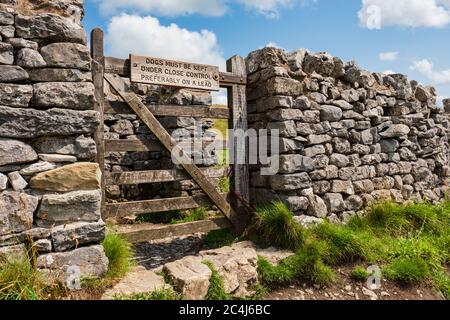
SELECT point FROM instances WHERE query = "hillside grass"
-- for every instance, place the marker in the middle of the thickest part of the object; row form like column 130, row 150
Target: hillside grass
column 411, row 243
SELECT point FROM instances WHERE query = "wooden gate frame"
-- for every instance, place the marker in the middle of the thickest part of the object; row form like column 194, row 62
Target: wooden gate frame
column 111, row 69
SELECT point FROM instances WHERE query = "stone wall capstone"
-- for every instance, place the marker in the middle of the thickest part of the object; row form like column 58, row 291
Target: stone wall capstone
column 348, row 137
column 50, row 193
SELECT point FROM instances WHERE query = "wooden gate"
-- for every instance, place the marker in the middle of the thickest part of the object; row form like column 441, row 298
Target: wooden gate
column 113, row 70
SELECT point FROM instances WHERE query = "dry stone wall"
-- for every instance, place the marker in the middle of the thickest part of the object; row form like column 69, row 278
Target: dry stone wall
column 50, row 196
column 349, row 137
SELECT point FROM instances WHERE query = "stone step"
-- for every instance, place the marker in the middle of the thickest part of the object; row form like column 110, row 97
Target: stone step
column 137, row 281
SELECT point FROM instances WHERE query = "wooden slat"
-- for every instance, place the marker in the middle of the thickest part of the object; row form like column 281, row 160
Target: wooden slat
column 170, row 144
column 97, row 75
column 240, row 170
column 119, row 107
column 121, row 67
column 125, row 209
column 149, row 232
column 154, row 176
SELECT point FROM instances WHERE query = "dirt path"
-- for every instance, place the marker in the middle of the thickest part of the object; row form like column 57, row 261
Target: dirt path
column 348, row 289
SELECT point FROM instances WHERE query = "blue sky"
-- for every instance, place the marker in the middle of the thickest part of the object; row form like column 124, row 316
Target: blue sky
column 411, row 35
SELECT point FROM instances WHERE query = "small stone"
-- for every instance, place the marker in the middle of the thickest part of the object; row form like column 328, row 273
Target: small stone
column 76, row 234
column 396, row 131
column 286, row 129
column 339, row 160
column 294, row 163
column 83, row 148
column 71, row 95
column 59, row 75
column 308, row 221
column 12, row 74
column 43, row 246
column 284, row 86
column 15, row 152
column 57, row 158
column 3, row 182
column 30, row 58
column 37, row 167
column 6, row 53
column 334, row 202
column 19, row 43
column 6, row 18
column 330, row 113
column 75, row 206
column 372, row 295
column 317, row 207
column 16, row 212
column 78, row 176
column 10, row 253
column 91, row 262
column 341, row 186
column 15, row 95
column 17, row 182
column 67, row 55
column 290, row 181
column 190, row 277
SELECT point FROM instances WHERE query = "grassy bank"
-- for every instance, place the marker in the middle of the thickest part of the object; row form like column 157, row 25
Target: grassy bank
column 410, row 243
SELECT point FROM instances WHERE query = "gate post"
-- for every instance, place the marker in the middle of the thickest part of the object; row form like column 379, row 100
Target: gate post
column 97, row 75
column 237, row 103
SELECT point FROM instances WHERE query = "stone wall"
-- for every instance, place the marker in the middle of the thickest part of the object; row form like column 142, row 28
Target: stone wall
column 50, row 196
column 349, row 137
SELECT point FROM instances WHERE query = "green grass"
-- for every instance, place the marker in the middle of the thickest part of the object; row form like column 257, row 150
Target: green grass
column 221, row 125
column 174, row 217
column 119, row 252
column 222, row 158
column 219, row 238
column 216, row 290
column 274, row 224
column 19, row 280
column 193, row 215
column 163, row 294
column 411, row 242
column 360, row 274
column 224, row 184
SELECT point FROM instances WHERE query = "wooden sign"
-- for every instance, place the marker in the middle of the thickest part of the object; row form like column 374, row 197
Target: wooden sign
column 174, row 73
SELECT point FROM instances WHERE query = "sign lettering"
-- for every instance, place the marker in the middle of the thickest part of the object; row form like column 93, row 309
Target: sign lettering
column 174, row 73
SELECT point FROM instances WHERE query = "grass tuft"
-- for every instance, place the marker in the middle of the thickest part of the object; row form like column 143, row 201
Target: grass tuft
column 407, row 270
column 19, row 280
column 164, row 294
column 119, row 252
column 216, row 290
column 193, row 215
column 274, row 225
column 360, row 274
column 219, row 238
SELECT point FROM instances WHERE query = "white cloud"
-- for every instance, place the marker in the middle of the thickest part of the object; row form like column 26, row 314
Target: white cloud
column 376, row 14
column 389, row 72
column 269, row 8
column 220, row 97
column 426, row 68
column 146, row 36
column 272, row 44
column 388, row 56
column 166, row 7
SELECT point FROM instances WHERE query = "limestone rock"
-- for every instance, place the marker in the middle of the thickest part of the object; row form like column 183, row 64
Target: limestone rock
column 84, row 148
column 91, row 262
column 19, row 43
column 6, row 53
column 15, row 152
column 330, row 113
column 43, row 245
column 286, row 129
column 308, row 221
column 296, row 203
column 73, row 235
column 37, row 167
column 317, row 207
column 30, row 58
column 396, row 131
column 30, row 123
column 17, row 182
column 334, row 202
column 15, row 95
column 67, row 55
column 6, row 18
column 137, row 281
column 75, row 206
column 59, row 75
column 284, row 86
column 78, row 176
column 290, row 181
column 49, row 26
column 71, row 95
column 16, row 212
column 190, row 277
column 237, row 267
column 58, row 158
column 294, row 163
column 12, row 74
column 341, row 186
column 3, row 182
